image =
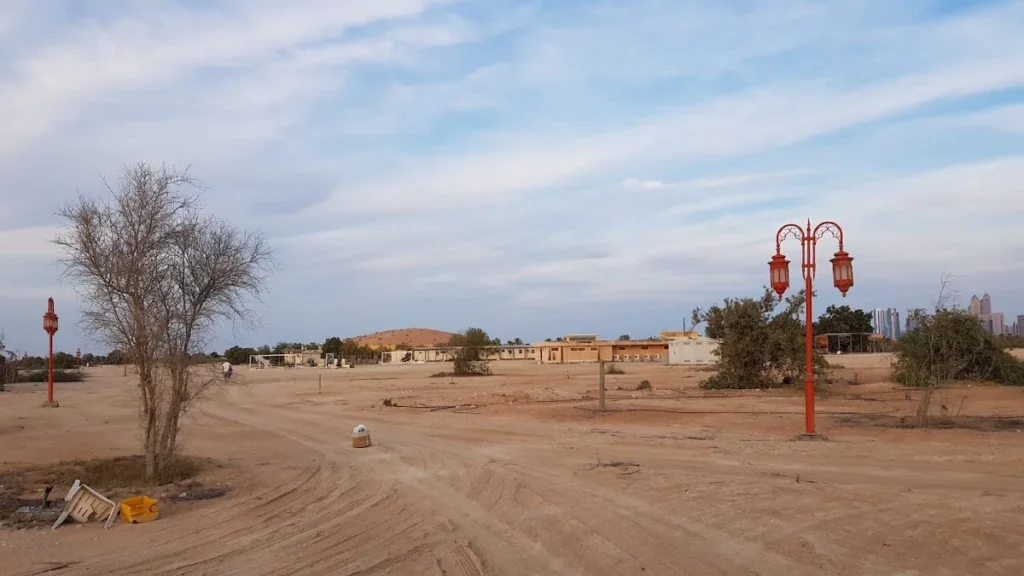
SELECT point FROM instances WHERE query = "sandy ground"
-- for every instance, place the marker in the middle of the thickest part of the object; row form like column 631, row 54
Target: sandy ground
column 509, row 483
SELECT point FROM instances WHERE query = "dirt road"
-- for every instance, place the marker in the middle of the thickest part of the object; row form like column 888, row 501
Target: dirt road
column 525, row 478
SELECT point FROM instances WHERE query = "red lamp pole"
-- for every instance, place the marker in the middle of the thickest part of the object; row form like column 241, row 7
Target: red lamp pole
column 842, row 276
column 50, row 325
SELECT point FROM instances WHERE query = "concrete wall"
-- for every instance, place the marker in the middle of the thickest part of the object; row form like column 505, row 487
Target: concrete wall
column 695, row 352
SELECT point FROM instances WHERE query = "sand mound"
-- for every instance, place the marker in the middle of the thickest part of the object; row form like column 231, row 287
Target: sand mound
column 410, row 336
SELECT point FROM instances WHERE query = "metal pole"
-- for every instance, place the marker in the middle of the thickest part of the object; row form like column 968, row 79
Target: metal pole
column 809, row 332
column 49, row 385
column 600, row 384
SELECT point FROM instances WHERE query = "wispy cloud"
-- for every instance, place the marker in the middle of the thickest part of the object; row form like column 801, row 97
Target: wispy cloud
column 510, row 156
column 710, row 182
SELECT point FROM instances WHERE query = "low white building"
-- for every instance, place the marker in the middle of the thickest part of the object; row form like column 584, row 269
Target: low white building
column 692, row 352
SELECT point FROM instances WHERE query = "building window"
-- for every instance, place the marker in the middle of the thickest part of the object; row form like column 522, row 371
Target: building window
column 643, row 347
column 593, row 348
column 647, row 357
column 657, row 356
column 621, row 347
column 636, row 356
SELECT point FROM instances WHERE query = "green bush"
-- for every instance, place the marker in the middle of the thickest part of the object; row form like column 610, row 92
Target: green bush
column 760, row 347
column 58, row 376
column 952, row 345
column 469, row 351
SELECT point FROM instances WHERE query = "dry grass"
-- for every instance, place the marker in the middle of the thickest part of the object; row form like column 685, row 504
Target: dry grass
column 102, row 474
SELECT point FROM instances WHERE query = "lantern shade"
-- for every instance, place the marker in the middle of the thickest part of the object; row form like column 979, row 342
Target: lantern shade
column 50, row 319
column 842, row 271
column 778, row 270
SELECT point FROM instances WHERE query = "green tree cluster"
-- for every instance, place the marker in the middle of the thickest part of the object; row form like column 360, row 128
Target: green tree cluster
column 762, row 346
column 952, row 345
column 843, row 320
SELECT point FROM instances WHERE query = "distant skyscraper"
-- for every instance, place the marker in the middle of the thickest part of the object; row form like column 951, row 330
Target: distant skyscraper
column 986, row 304
column 975, row 309
column 887, row 322
column 912, row 323
column 1020, row 325
column 998, row 325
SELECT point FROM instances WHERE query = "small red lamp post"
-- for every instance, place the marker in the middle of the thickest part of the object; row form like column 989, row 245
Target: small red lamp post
column 842, row 278
column 50, row 325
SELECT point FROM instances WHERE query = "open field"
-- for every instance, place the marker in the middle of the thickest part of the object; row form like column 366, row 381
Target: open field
column 501, row 475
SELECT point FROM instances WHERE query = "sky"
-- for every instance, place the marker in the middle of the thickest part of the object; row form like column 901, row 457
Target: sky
column 531, row 167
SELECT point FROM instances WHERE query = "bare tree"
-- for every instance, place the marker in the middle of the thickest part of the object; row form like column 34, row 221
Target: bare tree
column 8, row 372
column 947, row 293
column 156, row 276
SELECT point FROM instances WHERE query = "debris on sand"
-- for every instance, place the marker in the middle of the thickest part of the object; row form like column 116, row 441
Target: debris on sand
column 34, row 514
column 360, row 436
column 86, row 505
column 197, row 494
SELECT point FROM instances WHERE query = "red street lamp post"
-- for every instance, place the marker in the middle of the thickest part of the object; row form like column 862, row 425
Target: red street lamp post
column 842, row 278
column 50, row 325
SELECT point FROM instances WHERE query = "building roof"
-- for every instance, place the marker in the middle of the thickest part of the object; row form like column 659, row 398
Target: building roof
column 603, row 343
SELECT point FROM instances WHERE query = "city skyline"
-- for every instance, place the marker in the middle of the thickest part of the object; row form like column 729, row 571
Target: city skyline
column 886, row 322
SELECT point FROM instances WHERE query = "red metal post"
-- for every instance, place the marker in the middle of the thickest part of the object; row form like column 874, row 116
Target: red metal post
column 809, row 334
column 49, row 385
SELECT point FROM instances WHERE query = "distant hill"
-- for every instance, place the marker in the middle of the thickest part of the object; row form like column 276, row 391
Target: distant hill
column 410, row 336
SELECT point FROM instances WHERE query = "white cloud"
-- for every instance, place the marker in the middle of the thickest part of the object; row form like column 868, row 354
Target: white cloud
column 1009, row 119
column 637, row 184
column 437, row 149
column 889, row 227
column 157, row 52
column 28, row 243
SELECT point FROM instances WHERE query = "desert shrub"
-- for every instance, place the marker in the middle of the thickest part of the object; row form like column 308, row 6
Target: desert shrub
column 644, row 385
column 613, row 369
column 760, row 347
column 43, row 376
column 469, row 350
column 952, row 345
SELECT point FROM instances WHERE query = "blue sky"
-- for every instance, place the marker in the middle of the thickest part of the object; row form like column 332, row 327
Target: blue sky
column 532, row 167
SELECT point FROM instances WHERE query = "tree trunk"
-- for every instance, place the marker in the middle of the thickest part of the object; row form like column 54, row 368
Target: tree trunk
column 924, row 406
column 150, row 406
column 152, row 449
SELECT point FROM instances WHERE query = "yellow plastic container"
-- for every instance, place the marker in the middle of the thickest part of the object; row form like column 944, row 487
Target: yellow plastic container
column 139, row 509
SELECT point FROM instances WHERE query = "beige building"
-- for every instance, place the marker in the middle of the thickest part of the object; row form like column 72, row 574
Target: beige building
column 573, row 349
column 444, row 354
